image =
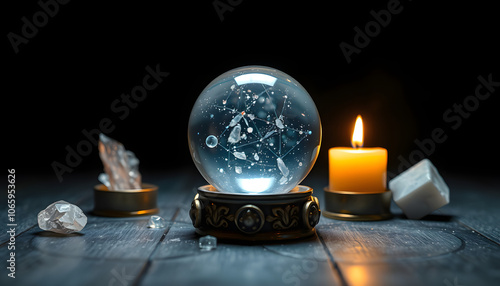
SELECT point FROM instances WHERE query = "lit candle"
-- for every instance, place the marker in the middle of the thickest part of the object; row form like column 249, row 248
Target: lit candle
column 358, row 169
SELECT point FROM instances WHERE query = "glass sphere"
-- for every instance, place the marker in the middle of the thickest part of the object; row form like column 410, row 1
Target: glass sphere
column 254, row 130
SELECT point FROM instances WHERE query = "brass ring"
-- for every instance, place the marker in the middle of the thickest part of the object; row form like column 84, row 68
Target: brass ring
column 125, row 203
column 195, row 211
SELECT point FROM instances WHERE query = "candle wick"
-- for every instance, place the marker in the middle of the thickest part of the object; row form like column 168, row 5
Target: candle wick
column 356, row 146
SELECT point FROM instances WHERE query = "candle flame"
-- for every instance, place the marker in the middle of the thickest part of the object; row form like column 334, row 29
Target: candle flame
column 357, row 135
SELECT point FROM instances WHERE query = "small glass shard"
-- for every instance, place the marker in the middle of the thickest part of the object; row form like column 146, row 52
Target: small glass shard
column 279, row 123
column 235, row 120
column 238, row 170
column 207, row 243
column 268, row 134
column 240, row 155
column 283, row 168
column 156, row 221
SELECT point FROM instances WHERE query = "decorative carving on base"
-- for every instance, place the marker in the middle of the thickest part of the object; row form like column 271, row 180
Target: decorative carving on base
column 217, row 216
column 284, row 218
column 258, row 217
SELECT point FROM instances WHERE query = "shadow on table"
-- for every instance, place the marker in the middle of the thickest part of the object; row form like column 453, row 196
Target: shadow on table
column 431, row 217
column 45, row 233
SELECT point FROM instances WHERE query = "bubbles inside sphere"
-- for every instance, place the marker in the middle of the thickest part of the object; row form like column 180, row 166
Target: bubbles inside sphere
column 254, row 130
column 211, row 141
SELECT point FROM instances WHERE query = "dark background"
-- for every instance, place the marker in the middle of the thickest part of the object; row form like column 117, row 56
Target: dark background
column 425, row 60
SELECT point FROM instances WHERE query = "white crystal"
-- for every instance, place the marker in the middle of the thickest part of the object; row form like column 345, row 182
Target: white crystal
column 279, row 123
column 240, row 155
column 156, row 221
column 283, row 180
column 62, row 217
column 235, row 120
column 234, row 136
column 283, row 168
column 420, row 190
column 207, row 243
column 238, row 169
column 268, row 134
column 121, row 166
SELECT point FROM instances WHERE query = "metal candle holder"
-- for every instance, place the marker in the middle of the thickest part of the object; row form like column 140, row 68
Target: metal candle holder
column 357, row 205
column 125, row 203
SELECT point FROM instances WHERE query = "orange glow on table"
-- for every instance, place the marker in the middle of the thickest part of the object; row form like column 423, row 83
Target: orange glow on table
column 361, row 170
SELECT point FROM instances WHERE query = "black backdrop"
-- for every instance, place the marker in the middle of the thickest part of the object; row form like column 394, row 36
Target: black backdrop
column 76, row 59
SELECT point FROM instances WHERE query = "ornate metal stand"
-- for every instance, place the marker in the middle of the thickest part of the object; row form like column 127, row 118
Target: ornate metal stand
column 255, row 217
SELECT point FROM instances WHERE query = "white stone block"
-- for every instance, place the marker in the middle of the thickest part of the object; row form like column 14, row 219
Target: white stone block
column 419, row 190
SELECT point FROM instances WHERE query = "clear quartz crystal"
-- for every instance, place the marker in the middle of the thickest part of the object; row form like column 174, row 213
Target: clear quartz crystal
column 121, row 166
column 254, row 130
column 62, row 217
column 156, row 221
column 208, row 243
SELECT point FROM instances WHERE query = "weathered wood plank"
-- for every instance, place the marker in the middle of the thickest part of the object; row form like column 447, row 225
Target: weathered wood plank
column 35, row 194
column 105, row 251
column 474, row 202
column 458, row 245
column 440, row 249
column 179, row 258
column 82, row 259
column 179, row 261
column 402, row 251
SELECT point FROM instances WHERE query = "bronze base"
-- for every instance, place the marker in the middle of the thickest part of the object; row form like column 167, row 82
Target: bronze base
column 125, row 203
column 255, row 217
column 357, row 206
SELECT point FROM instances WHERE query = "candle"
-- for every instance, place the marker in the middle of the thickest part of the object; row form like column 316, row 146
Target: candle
column 358, row 169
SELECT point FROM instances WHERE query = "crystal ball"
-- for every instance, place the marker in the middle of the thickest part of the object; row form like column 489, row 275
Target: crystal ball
column 254, row 130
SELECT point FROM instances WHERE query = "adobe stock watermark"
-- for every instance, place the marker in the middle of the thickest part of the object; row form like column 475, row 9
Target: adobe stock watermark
column 222, row 7
column 453, row 117
column 455, row 282
column 372, row 29
column 11, row 222
column 120, row 278
column 30, row 27
column 302, row 271
column 121, row 107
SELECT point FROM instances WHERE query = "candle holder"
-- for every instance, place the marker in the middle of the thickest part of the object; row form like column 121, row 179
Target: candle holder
column 125, row 203
column 262, row 217
column 357, row 189
column 357, row 206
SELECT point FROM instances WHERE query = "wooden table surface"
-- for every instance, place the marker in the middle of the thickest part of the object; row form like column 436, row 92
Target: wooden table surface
column 457, row 245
